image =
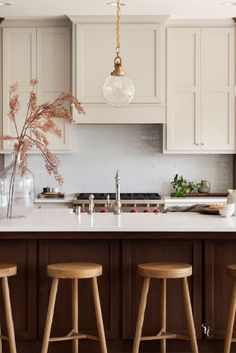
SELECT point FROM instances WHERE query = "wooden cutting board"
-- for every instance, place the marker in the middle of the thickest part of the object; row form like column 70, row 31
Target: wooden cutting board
column 209, row 210
column 53, row 195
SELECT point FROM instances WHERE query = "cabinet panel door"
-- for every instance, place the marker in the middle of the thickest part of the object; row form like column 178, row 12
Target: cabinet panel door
column 183, row 89
column 103, row 252
column 218, row 285
column 53, row 72
column 142, row 55
column 19, row 65
column 217, row 89
column 142, row 251
column 22, row 287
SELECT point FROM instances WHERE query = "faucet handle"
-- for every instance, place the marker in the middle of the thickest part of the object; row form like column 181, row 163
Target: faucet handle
column 108, row 200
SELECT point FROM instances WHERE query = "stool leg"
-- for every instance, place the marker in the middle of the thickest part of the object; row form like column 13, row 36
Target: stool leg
column 230, row 325
column 51, row 307
column 9, row 321
column 163, row 313
column 98, row 313
column 189, row 316
column 141, row 312
column 75, row 343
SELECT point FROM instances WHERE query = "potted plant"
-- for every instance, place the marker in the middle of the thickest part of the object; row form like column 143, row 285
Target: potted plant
column 183, row 187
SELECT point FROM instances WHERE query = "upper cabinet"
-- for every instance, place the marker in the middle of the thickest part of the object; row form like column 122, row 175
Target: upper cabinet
column 19, row 65
column 143, row 55
column 42, row 53
column 200, row 90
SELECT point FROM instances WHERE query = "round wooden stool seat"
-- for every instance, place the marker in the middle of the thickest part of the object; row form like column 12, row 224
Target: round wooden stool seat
column 74, row 270
column 231, row 269
column 7, row 270
column 165, row 270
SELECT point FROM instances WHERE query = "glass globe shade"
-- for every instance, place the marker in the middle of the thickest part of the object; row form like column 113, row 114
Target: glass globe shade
column 118, row 91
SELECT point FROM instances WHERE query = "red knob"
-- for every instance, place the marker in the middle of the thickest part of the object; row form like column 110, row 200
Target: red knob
column 133, row 210
column 156, row 211
column 147, row 210
column 103, row 210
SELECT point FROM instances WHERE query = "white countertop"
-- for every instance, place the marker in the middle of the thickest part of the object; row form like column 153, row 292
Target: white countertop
column 63, row 220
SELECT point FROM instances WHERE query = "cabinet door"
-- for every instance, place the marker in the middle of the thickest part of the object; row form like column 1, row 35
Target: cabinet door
column 103, row 252
column 218, row 285
column 53, row 73
column 142, row 251
column 19, row 65
column 142, row 52
column 217, row 89
column 183, row 89
column 22, row 287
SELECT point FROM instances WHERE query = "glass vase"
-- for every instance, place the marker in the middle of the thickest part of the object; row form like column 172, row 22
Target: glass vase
column 16, row 191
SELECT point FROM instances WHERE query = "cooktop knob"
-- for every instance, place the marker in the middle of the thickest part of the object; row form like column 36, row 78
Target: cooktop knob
column 103, row 210
column 133, row 210
column 156, row 211
column 147, row 210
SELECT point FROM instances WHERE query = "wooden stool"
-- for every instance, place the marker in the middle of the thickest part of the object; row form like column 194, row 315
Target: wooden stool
column 8, row 270
column 231, row 269
column 164, row 271
column 74, row 271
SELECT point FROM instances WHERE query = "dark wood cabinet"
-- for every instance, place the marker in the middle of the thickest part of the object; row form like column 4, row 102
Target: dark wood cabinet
column 141, row 251
column 120, row 286
column 22, row 287
column 218, row 285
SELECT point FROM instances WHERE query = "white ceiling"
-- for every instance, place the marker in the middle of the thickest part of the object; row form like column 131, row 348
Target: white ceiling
column 175, row 8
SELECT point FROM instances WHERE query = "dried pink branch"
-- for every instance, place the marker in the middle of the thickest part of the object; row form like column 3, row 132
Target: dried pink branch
column 39, row 121
column 14, row 104
column 8, row 138
column 34, row 82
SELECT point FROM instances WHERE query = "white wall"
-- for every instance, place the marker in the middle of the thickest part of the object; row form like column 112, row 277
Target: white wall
column 136, row 150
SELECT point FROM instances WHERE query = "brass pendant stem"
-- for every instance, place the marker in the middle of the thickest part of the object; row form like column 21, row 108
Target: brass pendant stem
column 118, row 71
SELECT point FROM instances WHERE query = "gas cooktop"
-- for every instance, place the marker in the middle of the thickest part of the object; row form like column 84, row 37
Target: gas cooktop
column 130, row 202
column 124, row 196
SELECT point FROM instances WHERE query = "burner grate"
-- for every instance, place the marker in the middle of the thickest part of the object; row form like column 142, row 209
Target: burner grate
column 123, row 196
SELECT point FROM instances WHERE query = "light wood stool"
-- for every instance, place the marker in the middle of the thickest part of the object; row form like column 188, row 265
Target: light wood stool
column 74, row 271
column 164, row 271
column 231, row 269
column 8, row 270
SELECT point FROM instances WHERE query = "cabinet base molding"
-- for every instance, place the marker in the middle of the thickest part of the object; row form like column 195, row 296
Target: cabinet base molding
column 114, row 347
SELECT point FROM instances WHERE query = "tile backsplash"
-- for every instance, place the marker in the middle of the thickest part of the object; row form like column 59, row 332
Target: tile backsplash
column 99, row 150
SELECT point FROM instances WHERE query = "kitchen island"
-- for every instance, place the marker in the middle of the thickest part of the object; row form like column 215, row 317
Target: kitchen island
column 119, row 243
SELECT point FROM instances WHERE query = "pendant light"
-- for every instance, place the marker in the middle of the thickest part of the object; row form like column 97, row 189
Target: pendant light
column 118, row 89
